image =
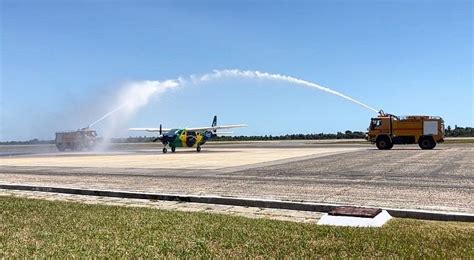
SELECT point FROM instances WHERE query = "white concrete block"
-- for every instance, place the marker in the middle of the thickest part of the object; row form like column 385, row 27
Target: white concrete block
column 346, row 221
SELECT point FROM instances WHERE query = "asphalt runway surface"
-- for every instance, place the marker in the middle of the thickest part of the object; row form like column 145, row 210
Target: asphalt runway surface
column 343, row 173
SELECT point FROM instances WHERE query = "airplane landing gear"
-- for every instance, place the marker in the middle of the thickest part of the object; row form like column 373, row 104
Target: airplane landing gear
column 198, row 148
column 165, row 150
column 173, row 149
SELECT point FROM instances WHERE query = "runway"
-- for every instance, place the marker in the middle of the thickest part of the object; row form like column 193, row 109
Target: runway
column 342, row 173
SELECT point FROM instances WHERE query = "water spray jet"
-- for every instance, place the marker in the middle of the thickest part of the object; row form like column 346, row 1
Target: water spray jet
column 137, row 94
column 265, row 75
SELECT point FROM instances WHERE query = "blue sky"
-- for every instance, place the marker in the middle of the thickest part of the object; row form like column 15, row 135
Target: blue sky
column 63, row 61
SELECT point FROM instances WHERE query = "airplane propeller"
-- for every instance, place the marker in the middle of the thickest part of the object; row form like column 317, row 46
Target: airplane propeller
column 163, row 138
column 160, row 137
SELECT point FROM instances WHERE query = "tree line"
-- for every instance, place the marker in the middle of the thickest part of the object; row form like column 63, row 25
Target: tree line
column 449, row 132
column 459, row 131
column 321, row 136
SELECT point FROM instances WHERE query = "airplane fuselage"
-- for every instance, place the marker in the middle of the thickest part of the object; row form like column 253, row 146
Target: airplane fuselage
column 185, row 138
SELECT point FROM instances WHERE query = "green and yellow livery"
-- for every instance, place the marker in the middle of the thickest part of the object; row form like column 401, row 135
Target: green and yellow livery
column 186, row 137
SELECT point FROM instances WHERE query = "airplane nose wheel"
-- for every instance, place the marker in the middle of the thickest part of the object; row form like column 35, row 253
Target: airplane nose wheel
column 198, row 149
column 165, row 150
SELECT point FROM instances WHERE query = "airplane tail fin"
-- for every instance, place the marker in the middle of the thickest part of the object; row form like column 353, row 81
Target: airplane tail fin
column 214, row 121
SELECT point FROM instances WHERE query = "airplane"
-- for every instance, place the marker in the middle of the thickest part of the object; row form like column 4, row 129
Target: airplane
column 187, row 137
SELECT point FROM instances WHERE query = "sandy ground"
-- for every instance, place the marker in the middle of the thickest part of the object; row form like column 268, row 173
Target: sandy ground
column 216, row 158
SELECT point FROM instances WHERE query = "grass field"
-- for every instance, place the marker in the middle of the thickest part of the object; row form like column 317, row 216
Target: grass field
column 37, row 228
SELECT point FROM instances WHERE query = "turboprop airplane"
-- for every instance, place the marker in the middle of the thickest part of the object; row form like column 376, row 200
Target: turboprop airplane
column 187, row 137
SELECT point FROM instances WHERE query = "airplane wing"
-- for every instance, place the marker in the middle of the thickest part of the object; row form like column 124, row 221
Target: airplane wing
column 224, row 133
column 150, row 129
column 213, row 128
column 220, row 133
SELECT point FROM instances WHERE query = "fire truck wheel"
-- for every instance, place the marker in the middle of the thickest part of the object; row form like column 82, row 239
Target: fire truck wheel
column 384, row 143
column 427, row 143
column 61, row 148
column 390, row 146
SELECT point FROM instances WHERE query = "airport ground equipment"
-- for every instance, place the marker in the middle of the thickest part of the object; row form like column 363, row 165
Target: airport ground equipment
column 84, row 138
column 387, row 130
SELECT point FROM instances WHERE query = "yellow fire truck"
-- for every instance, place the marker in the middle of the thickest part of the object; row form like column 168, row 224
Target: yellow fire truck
column 387, row 130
